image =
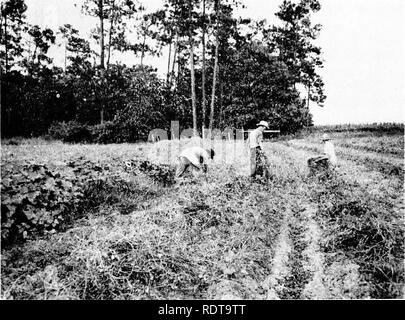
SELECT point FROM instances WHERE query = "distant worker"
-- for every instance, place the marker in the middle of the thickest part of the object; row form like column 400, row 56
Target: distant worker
column 195, row 158
column 327, row 158
column 258, row 160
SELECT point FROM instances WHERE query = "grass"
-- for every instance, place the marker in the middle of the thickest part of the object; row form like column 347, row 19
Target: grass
column 368, row 230
column 154, row 243
column 215, row 236
column 375, row 161
column 383, row 128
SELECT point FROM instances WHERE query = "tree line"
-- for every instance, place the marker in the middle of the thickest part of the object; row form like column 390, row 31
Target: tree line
column 222, row 71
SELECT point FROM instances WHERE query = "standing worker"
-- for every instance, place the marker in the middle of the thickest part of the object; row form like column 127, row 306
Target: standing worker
column 327, row 158
column 195, row 158
column 257, row 157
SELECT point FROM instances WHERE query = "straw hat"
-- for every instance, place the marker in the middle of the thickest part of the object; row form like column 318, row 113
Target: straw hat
column 264, row 124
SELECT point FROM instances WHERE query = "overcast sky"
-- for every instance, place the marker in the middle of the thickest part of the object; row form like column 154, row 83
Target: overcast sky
column 363, row 43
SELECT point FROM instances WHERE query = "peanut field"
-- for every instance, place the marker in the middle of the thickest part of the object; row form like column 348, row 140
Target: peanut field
column 77, row 223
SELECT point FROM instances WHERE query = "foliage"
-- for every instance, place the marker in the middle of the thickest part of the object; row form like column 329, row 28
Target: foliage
column 42, row 40
column 139, row 240
column 179, row 255
column 362, row 228
column 383, row 128
column 256, row 77
column 36, row 199
column 78, row 47
column 116, row 13
column 260, row 90
column 11, row 30
column 104, row 133
column 163, row 174
column 71, row 131
column 294, row 42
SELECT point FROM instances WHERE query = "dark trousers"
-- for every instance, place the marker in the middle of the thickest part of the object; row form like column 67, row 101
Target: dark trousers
column 318, row 163
column 258, row 163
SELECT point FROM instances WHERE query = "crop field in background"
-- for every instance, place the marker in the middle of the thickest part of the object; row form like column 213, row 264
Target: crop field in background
column 76, row 224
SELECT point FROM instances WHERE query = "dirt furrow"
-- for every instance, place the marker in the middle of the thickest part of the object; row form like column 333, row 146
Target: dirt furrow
column 314, row 258
column 298, row 276
column 290, row 271
column 273, row 284
column 306, row 274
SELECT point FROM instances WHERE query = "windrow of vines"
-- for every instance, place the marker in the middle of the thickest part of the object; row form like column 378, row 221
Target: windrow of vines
column 39, row 199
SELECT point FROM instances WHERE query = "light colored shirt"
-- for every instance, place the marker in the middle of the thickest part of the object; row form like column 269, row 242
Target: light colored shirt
column 194, row 154
column 256, row 138
column 329, row 150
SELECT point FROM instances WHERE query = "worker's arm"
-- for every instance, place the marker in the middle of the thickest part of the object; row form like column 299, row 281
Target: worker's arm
column 247, row 141
column 260, row 140
column 204, row 158
column 328, row 149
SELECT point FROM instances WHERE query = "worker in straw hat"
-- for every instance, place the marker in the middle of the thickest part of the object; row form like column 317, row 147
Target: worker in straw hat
column 327, row 158
column 257, row 156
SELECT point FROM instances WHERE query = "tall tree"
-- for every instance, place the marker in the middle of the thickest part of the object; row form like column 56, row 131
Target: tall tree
column 42, row 40
column 119, row 12
column 97, row 8
column 12, row 25
column 165, row 33
column 176, row 44
column 145, row 32
column 203, row 98
column 214, row 78
column 143, row 27
column 77, row 49
column 101, row 16
column 103, row 10
column 295, row 43
column 113, row 18
column 192, row 71
column 181, row 22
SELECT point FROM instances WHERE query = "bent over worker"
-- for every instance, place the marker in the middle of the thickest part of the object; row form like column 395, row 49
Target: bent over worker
column 327, row 158
column 195, row 158
column 257, row 157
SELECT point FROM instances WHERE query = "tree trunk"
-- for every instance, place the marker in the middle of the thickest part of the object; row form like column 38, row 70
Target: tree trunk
column 214, row 80
column 101, row 16
column 143, row 48
column 102, row 115
column 34, row 54
column 102, row 64
column 168, row 63
column 203, row 69
column 308, row 88
column 221, row 115
column 1, row 21
column 9, row 113
column 65, row 55
column 109, row 43
column 179, row 73
column 175, row 57
column 5, row 41
column 193, row 98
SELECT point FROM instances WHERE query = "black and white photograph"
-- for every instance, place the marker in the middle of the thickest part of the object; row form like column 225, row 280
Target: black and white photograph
column 202, row 150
